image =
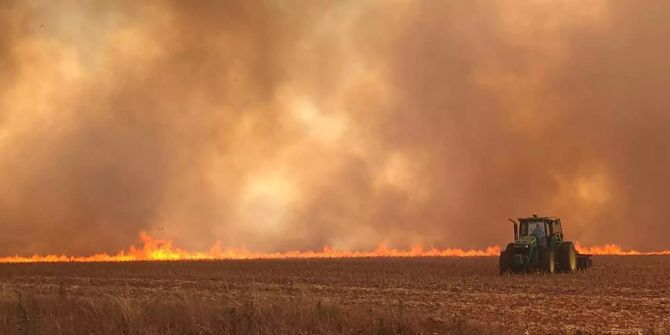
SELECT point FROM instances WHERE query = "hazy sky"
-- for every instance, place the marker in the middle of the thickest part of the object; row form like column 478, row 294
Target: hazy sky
column 277, row 125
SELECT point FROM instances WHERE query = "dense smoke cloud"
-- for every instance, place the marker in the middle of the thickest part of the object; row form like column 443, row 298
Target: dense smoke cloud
column 283, row 125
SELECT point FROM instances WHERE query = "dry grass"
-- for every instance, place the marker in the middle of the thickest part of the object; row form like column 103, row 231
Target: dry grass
column 624, row 295
column 183, row 313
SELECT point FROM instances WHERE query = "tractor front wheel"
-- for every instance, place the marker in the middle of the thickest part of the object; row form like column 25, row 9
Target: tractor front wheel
column 548, row 262
column 568, row 257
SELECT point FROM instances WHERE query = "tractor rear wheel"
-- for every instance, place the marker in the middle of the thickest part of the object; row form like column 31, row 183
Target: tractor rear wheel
column 568, row 257
column 505, row 262
column 548, row 261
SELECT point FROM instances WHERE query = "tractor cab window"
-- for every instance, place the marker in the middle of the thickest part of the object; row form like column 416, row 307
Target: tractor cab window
column 535, row 228
column 557, row 227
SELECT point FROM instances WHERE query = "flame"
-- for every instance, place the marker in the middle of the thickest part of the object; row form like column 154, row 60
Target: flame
column 613, row 249
column 163, row 250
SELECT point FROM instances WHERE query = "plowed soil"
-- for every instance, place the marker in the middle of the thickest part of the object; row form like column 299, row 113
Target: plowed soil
column 620, row 294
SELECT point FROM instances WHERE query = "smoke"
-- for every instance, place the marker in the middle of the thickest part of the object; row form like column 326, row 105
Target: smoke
column 283, row 125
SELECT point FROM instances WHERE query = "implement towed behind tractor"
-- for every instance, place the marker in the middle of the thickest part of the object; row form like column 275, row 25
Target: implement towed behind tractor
column 538, row 244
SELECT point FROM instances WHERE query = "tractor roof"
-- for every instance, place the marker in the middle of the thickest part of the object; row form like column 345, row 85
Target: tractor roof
column 539, row 218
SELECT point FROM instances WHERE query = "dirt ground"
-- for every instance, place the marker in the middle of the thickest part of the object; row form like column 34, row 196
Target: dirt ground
column 619, row 295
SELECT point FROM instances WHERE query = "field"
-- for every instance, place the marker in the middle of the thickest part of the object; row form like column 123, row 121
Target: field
column 620, row 295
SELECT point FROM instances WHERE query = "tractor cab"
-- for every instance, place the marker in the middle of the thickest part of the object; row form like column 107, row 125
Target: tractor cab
column 545, row 230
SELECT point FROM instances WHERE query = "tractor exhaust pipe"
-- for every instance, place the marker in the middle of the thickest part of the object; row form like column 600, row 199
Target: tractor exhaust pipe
column 516, row 229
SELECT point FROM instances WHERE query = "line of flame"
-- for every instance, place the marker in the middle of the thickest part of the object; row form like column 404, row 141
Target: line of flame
column 613, row 249
column 162, row 250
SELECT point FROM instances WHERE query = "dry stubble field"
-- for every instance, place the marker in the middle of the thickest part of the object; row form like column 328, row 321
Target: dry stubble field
column 621, row 294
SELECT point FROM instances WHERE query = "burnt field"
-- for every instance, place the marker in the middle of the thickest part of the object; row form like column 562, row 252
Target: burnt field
column 620, row 294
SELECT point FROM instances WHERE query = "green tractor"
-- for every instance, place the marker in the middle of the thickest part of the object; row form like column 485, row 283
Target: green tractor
column 538, row 244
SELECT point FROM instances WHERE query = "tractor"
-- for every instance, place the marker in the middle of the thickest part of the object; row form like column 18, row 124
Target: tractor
column 538, row 244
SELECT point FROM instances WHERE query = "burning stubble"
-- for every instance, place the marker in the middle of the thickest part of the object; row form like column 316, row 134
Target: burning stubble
column 290, row 125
